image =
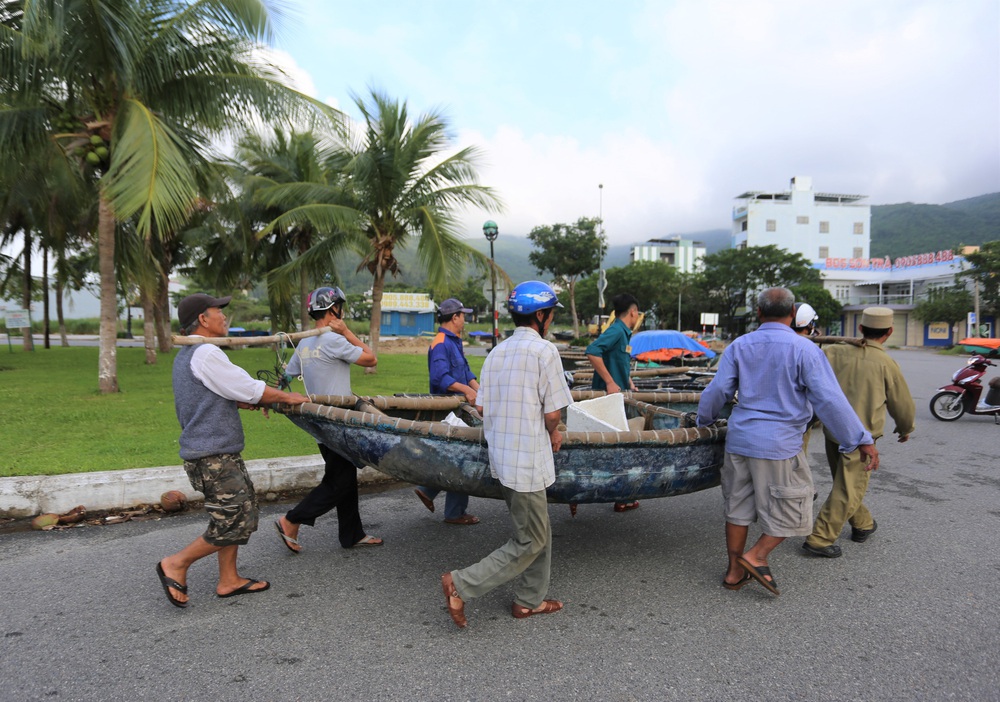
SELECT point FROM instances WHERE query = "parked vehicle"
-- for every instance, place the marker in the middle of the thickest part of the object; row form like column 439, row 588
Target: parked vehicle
column 963, row 394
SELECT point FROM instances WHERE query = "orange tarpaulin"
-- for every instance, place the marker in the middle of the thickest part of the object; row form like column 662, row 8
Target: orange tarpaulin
column 980, row 341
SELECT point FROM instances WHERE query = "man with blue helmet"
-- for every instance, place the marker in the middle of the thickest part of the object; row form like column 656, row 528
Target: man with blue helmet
column 521, row 396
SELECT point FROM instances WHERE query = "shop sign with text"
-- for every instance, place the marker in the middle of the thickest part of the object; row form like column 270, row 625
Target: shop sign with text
column 887, row 263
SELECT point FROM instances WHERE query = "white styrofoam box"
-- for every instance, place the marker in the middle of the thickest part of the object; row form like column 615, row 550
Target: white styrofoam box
column 599, row 414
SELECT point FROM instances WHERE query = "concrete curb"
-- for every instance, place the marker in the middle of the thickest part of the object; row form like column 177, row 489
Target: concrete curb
column 27, row 496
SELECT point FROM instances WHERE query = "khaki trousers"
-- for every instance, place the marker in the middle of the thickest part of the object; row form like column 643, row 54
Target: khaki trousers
column 846, row 501
column 528, row 554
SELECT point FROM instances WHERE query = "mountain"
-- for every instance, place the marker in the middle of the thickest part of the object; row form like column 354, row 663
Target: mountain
column 908, row 228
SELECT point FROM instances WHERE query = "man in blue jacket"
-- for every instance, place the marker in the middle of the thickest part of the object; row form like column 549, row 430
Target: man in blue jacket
column 450, row 374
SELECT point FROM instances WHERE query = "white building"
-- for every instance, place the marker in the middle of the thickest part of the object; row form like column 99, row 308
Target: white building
column 816, row 225
column 834, row 232
column 683, row 254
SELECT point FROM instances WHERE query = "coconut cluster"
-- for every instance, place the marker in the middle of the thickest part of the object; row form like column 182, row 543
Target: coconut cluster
column 91, row 148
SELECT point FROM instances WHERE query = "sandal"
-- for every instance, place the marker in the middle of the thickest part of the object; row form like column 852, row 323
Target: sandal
column 457, row 612
column 169, row 583
column 370, row 541
column 290, row 543
column 759, row 574
column 547, row 607
column 626, row 506
column 738, row 585
column 465, row 519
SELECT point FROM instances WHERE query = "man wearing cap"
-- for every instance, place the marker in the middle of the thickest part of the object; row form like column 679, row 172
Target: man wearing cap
column 450, row 373
column 781, row 379
column 873, row 384
column 208, row 392
column 324, row 362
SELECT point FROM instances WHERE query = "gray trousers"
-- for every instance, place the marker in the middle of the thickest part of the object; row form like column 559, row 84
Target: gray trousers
column 528, row 553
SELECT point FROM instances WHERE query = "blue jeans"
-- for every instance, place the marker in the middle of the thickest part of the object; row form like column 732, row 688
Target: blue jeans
column 454, row 502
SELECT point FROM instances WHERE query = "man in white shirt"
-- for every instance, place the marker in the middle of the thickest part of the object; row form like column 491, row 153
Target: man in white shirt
column 521, row 396
column 209, row 391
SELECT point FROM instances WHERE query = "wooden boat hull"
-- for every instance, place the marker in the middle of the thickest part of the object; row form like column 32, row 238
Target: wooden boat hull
column 662, row 460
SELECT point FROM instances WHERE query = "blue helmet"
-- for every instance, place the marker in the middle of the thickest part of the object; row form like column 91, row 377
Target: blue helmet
column 531, row 296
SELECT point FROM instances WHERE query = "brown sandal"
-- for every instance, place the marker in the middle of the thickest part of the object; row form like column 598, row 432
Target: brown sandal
column 457, row 612
column 547, row 607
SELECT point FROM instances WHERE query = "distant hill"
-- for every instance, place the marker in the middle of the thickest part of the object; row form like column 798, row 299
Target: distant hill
column 908, row 228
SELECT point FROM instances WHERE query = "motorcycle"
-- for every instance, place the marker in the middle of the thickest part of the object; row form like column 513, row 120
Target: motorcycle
column 952, row 401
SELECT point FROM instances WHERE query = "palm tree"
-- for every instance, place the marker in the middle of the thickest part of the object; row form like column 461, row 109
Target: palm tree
column 398, row 184
column 135, row 87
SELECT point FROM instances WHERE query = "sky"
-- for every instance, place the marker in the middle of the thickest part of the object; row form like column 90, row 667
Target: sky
column 675, row 107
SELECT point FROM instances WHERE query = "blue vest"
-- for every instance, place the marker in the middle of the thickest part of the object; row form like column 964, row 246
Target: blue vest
column 210, row 424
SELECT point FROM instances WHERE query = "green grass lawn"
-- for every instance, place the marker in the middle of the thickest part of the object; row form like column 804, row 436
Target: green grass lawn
column 54, row 421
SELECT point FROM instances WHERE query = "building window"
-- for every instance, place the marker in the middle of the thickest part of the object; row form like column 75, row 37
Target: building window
column 407, row 320
column 859, row 227
column 842, row 292
column 802, row 219
column 858, row 252
column 824, row 252
column 771, row 225
column 824, row 227
column 743, row 226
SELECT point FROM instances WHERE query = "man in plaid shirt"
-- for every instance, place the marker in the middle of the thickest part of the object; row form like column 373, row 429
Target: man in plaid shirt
column 521, row 396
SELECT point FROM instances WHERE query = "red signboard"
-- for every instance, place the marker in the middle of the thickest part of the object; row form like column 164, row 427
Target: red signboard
column 888, row 263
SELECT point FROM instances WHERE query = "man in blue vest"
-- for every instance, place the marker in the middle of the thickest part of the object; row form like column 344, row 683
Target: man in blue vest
column 209, row 391
column 449, row 374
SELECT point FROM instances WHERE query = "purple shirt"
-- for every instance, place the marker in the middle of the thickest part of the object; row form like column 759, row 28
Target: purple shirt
column 782, row 378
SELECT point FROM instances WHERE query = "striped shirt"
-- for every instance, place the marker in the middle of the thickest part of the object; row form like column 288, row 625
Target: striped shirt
column 521, row 381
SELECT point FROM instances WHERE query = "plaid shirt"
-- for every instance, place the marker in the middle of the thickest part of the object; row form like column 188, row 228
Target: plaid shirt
column 521, row 381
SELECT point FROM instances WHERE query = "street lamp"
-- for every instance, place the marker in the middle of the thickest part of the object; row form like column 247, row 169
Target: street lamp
column 491, row 232
column 602, row 282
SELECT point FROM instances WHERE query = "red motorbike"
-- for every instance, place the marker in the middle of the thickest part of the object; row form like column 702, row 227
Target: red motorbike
column 952, row 401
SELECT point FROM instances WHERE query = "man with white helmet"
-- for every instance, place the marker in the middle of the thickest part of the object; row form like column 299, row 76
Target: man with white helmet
column 324, row 362
column 804, row 322
column 521, row 396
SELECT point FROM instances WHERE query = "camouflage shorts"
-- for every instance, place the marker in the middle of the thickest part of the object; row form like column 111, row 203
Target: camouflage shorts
column 230, row 499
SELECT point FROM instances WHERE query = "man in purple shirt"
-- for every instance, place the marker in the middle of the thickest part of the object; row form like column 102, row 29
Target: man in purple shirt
column 781, row 378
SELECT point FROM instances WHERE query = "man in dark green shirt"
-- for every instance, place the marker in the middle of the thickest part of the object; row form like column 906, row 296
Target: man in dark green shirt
column 611, row 357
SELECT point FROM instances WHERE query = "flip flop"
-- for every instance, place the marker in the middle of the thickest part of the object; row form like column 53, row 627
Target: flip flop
column 457, row 612
column 288, row 540
column 465, row 519
column 428, row 502
column 547, row 607
column 626, row 506
column 738, row 585
column 370, row 541
column 245, row 590
column 758, row 573
column 169, row 583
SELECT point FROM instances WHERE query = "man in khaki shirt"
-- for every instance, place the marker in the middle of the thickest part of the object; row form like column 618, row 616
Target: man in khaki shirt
column 873, row 384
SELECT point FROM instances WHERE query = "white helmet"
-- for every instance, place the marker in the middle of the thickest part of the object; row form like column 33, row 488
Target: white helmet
column 805, row 316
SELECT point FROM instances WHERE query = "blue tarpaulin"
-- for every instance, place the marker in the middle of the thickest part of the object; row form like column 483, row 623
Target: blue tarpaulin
column 657, row 339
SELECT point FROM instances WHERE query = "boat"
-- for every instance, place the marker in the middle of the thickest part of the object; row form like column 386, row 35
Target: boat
column 404, row 436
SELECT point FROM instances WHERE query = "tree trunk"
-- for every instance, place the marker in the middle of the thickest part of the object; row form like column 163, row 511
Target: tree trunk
column 572, row 307
column 148, row 325
column 63, row 341
column 374, row 327
column 45, row 293
column 161, row 314
column 304, row 300
column 27, row 339
column 107, row 361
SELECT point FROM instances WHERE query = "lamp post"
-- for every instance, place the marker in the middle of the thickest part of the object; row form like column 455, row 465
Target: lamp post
column 602, row 282
column 491, row 232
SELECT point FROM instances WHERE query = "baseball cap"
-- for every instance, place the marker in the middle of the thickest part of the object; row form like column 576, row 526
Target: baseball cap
column 193, row 305
column 451, row 306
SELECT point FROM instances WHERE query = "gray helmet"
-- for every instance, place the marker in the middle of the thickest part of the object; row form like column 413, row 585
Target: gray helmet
column 322, row 299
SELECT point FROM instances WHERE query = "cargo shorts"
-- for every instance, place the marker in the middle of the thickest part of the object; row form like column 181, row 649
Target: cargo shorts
column 230, row 499
column 777, row 493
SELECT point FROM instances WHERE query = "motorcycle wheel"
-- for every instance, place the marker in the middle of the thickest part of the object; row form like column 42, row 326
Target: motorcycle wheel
column 947, row 406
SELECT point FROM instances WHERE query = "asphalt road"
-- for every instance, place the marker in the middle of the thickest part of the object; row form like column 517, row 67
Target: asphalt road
column 909, row 615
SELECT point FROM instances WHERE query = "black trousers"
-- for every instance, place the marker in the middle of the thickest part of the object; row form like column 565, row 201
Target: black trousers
column 339, row 488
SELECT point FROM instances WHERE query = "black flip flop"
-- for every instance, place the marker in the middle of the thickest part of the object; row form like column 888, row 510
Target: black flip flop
column 758, row 573
column 738, row 585
column 245, row 590
column 168, row 583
